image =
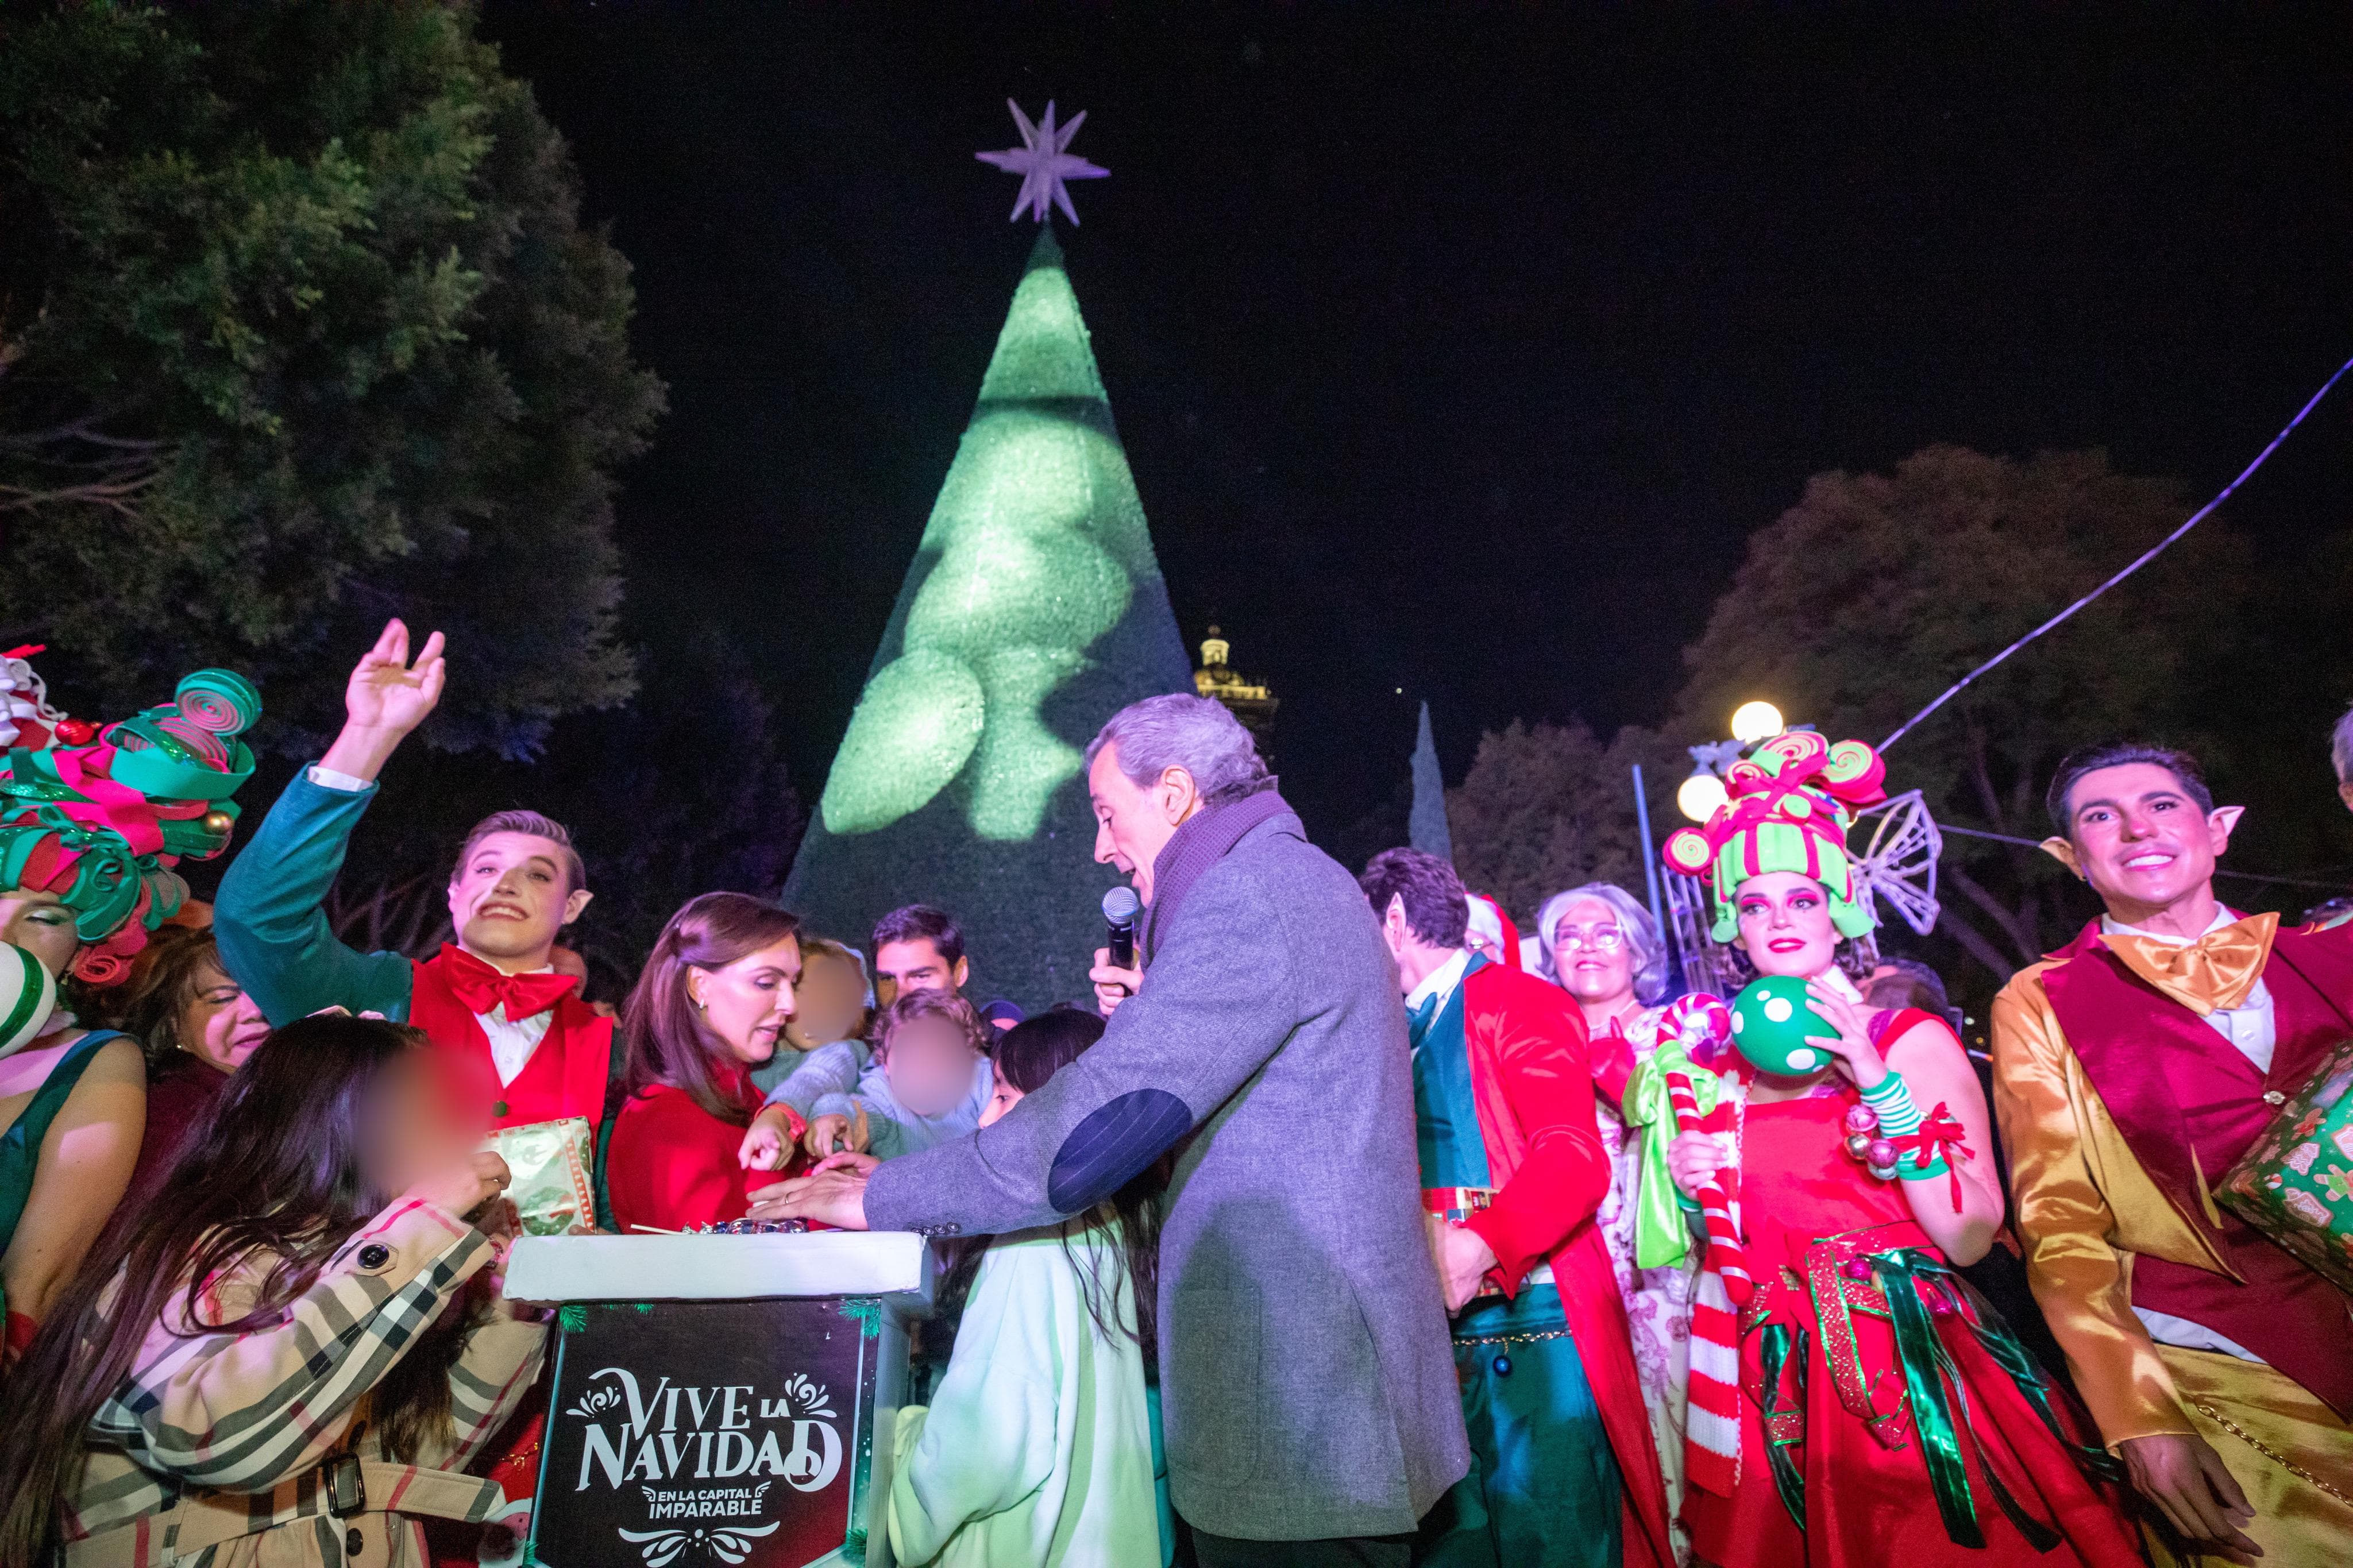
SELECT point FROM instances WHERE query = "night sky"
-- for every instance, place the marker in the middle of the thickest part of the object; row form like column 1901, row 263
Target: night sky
column 1458, row 349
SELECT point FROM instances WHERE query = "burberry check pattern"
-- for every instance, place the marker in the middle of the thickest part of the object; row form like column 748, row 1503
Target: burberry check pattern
column 210, row 1421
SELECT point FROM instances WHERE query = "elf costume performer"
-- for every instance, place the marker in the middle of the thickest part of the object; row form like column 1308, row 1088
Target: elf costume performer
column 1563, row 1472
column 493, row 997
column 1853, row 1400
column 92, row 821
column 537, row 1054
column 2133, row 1068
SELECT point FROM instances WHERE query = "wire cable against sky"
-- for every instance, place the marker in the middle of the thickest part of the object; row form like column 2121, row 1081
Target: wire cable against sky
column 2149, row 555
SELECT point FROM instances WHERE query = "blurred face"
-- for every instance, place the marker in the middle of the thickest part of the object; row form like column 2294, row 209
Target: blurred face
column 830, row 1003
column 2140, row 841
column 220, row 1025
column 415, row 1125
column 42, row 924
column 747, row 1002
column 1785, row 924
column 1134, row 822
column 929, row 1064
column 511, row 898
column 1003, row 1100
column 1591, row 952
column 914, row 965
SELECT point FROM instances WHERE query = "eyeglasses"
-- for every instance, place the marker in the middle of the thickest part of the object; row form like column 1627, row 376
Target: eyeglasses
column 1601, row 939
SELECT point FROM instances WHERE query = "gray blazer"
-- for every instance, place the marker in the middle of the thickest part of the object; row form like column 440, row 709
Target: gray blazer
column 1307, row 1376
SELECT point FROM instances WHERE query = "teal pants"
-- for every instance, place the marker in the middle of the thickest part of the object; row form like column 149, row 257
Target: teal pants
column 1543, row 1492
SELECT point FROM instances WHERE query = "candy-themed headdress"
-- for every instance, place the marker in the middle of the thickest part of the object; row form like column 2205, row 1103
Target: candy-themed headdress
column 99, row 817
column 1789, row 805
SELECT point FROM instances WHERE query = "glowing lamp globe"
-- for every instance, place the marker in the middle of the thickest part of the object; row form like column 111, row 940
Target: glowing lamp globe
column 1770, row 1022
column 1755, row 722
column 1699, row 796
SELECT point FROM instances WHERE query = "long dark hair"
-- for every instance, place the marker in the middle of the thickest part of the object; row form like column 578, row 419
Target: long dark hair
column 273, row 1171
column 1027, row 1055
column 668, row 1042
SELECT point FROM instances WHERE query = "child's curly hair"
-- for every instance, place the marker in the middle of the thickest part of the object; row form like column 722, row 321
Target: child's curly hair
column 913, row 1004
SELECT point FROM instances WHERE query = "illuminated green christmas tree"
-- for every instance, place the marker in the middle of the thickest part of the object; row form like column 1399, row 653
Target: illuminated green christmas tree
column 1034, row 611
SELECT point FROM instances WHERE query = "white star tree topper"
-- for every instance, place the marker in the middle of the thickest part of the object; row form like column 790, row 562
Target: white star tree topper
column 1043, row 160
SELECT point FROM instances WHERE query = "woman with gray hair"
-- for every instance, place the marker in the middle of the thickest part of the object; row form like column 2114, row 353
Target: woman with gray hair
column 1649, row 950
column 1602, row 946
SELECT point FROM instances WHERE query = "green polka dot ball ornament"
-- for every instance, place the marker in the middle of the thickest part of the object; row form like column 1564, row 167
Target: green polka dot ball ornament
column 1770, row 1023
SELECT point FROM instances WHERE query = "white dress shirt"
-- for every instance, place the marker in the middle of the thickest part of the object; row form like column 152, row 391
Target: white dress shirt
column 1440, row 982
column 512, row 1042
column 2252, row 1030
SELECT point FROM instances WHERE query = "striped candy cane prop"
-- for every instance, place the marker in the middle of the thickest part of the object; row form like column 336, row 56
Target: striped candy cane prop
column 1698, row 1024
column 1691, row 1034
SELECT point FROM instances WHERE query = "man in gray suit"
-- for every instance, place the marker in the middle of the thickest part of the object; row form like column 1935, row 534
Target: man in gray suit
column 1307, row 1377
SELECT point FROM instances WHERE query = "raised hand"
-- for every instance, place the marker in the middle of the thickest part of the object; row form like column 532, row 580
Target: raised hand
column 387, row 697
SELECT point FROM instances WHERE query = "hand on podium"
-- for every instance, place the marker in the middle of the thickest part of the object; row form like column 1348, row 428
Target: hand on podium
column 834, row 1194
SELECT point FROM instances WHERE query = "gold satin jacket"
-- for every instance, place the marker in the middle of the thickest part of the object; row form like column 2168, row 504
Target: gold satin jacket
column 2085, row 1209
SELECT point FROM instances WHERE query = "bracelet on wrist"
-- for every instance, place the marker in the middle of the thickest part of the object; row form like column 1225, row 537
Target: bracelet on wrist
column 1891, row 1101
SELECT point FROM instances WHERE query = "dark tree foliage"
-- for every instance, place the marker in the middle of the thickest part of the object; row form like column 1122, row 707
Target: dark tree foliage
column 1546, row 807
column 298, row 329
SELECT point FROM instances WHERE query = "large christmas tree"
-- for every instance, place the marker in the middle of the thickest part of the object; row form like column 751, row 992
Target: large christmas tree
column 1034, row 611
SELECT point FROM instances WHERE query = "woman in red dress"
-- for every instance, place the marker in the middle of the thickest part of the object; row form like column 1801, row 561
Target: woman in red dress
column 1852, row 1401
column 714, row 996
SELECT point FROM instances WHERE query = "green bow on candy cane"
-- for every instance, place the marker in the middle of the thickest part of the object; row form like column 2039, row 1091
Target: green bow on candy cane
column 1661, row 1236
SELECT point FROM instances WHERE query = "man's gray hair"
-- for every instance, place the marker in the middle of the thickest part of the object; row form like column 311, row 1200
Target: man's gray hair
column 2340, row 748
column 1182, row 730
column 1647, row 949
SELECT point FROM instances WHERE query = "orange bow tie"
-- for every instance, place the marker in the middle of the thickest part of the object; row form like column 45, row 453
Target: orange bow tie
column 2214, row 973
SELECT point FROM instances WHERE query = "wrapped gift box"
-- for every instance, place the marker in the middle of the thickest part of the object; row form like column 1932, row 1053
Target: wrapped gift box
column 548, row 1162
column 2295, row 1182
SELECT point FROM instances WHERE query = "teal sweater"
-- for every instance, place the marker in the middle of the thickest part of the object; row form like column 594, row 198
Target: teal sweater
column 273, row 931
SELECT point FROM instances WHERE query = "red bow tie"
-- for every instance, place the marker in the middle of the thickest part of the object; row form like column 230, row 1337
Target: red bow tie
column 482, row 989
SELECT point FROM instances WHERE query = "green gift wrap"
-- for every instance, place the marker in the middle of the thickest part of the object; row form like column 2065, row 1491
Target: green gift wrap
column 2294, row 1183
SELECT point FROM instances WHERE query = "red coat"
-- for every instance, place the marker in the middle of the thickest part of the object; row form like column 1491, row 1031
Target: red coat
column 672, row 1164
column 1528, row 1069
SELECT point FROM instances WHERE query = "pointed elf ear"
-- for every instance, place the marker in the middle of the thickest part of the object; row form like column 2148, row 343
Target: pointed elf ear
column 2222, row 819
column 2059, row 849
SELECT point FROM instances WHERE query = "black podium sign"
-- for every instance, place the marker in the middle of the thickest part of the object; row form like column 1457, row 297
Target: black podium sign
column 694, row 1433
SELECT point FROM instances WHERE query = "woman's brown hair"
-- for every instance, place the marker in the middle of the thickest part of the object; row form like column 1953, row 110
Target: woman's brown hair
column 164, row 979
column 668, row 1042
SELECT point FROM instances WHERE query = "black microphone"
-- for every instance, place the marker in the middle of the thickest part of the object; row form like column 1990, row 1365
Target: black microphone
column 1120, row 907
